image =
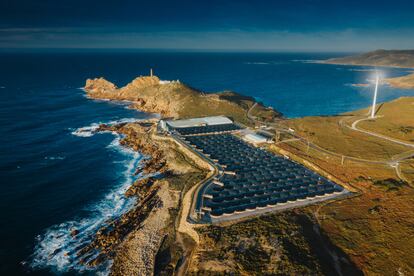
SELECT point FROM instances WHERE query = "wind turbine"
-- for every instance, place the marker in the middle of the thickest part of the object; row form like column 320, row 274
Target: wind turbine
column 374, row 101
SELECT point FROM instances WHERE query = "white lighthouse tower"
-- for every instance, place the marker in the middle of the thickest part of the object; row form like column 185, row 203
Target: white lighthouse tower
column 374, row 101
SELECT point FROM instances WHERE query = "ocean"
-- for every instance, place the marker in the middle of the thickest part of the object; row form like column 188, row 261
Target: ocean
column 57, row 175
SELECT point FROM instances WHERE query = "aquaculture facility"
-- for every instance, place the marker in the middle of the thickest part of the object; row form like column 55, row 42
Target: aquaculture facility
column 249, row 179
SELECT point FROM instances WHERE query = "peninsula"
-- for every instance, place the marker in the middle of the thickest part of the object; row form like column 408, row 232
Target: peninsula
column 395, row 58
column 178, row 100
column 372, row 158
column 387, row 58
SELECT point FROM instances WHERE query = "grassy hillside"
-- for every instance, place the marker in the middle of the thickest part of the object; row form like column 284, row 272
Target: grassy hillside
column 175, row 99
column 394, row 119
column 371, row 227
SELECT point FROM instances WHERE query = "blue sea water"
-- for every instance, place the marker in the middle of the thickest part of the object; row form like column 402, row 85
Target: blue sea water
column 54, row 177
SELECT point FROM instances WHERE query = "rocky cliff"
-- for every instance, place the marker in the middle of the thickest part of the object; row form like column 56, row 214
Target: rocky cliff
column 175, row 99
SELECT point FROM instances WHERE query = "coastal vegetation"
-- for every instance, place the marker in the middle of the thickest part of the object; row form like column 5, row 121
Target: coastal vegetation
column 287, row 243
column 177, row 100
column 393, row 119
column 371, row 226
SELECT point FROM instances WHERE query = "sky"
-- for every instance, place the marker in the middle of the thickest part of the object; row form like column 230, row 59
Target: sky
column 259, row 25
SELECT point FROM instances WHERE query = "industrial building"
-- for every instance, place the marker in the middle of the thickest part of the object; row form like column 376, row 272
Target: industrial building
column 250, row 180
column 194, row 126
column 255, row 138
column 253, row 178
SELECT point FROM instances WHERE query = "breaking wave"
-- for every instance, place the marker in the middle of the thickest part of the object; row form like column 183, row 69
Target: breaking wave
column 90, row 130
column 357, row 84
column 257, row 63
column 55, row 157
column 57, row 248
column 307, row 60
column 362, row 70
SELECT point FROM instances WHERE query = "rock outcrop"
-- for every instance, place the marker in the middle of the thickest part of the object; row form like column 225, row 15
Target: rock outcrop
column 99, row 85
column 175, row 99
column 132, row 240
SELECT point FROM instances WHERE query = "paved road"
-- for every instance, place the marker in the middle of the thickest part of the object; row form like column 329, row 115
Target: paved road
column 393, row 162
column 201, row 186
column 277, row 127
column 354, row 127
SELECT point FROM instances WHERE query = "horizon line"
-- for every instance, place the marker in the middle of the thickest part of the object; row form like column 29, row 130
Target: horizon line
column 167, row 50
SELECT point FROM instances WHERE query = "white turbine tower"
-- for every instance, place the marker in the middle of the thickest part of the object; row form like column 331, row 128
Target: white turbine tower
column 374, row 101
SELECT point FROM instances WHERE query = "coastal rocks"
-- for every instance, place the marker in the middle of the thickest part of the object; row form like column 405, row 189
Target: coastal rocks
column 110, row 236
column 74, row 232
column 136, row 255
column 139, row 187
column 99, row 85
column 142, row 82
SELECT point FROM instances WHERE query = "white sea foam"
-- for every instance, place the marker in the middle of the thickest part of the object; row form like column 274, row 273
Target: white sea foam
column 257, row 63
column 56, row 248
column 362, row 70
column 357, row 84
column 307, row 60
column 55, row 157
column 89, row 131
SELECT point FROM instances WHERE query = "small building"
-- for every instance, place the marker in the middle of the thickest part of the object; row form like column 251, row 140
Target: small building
column 255, row 138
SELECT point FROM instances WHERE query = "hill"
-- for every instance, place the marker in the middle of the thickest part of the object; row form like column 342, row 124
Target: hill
column 177, row 100
column 404, row 82
column 396, row 58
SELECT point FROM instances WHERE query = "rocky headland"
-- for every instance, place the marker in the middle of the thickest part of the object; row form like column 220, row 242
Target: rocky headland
column 394, row 58
column 177, row 100
column 387, row 58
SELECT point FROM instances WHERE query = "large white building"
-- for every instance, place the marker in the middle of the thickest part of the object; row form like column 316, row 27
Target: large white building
column 194, row 122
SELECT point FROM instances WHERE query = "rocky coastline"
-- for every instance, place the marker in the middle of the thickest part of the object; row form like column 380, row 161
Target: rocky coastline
column 168, row 171
column 133, row 240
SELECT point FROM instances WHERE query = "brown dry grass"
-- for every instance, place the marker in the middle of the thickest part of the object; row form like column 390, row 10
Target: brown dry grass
column 375, row 227
column 327, row 133
column 395, row 119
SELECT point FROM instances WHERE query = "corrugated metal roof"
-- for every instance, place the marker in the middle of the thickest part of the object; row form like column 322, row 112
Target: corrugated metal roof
column 255, row 138
column 213, row 120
